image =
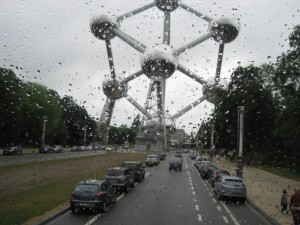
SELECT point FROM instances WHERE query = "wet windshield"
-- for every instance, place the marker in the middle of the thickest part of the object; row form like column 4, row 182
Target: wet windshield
column 88, row 85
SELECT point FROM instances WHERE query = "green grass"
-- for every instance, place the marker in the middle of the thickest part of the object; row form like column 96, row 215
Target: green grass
column 283, row 172
column 41, row 198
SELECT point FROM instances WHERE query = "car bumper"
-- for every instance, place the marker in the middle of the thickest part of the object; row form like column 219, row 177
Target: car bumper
column 86, row 204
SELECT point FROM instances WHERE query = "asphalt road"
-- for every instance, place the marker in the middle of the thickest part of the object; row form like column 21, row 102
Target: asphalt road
column 169, row 197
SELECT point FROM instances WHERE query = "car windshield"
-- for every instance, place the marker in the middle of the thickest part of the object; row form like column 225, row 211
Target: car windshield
column 88, row 85
column 175, row 159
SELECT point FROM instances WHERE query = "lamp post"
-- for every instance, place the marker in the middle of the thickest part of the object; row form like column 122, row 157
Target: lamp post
column 240, row 140
column 44, row 131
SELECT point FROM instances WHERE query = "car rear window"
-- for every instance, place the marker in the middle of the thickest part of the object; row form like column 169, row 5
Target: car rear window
column 234, row 182
column 86, row 188
column 130, row 165
column 114, row 172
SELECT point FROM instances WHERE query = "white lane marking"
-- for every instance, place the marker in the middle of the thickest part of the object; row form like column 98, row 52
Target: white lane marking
column 195, row 200
column 120, row 197
column 230, row 214
column 192, row 188
column 225, row 219
column 219, row 208
column 199, row 218
column 91, row 221
column 197, row 207
column 193, row 193
column 146, row 175
column 210, row 194
column 214, row 200
column 205, row 185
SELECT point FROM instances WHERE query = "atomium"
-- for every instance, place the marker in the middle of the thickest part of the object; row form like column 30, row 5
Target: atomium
column 158, row 62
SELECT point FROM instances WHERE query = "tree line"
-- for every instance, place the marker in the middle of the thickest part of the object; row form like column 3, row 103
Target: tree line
column 271, row 96
column 26, row 106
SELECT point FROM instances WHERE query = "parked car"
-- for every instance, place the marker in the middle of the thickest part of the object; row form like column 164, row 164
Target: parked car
column 202, row 165
column 125, row 146
column 58, row 149
column 193, row 156
column 175, row 163
column 199, row 161
column 92, row 195
column 136, row 168
column 230, row 187
column 82, row 148
column 15, row 150
column 207, row 171
column 75, row 148
column 217, row 173
column 152, row 160
column 46, row 149
column 120, row 178
column 109, row 149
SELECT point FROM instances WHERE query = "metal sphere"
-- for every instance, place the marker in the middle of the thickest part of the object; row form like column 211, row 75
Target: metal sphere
column 224, row 30
column 155, row 123
column 101, row 26
column 114, row 89
column 167, row 5
column 213, row 91
column 159, row 61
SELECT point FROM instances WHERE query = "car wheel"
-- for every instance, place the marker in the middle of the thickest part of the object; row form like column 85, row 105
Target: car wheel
column 219, row 197
column 170, row 168
column 104, row 206
column 125, row 189
column 242, row 200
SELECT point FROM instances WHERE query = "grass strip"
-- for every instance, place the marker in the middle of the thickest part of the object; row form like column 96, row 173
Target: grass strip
column 283, row 172
column 41, row 198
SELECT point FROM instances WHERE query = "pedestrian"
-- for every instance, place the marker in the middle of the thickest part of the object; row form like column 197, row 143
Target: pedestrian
column 295, row 206
column 218, row 157
column 284, row 201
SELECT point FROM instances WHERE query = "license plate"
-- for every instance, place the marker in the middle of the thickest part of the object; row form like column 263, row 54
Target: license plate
column 84, row 204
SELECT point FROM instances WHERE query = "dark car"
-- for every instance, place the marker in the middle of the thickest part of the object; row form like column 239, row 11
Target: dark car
column 120, row 178
column 216, row 174
column 92, row 195
column 193, row 156
column 201, row 164
column 15, row 150
column 206, row 170
column 46, row 149
column 136, row 168
column 162, row 155
column 58, row 149
column 175, row 163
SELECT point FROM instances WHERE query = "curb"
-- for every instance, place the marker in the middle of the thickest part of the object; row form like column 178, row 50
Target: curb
column 262, row 212
column 52, row 216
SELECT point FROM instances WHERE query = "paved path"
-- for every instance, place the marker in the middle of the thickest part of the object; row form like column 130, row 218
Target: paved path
column 264, row 189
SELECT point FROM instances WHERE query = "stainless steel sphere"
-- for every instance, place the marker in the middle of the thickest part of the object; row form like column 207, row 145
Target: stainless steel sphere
column 114, row 89
column 167, row 5
column 224, row 30
column 213, row 91
column 101, row 26
column 159, row 61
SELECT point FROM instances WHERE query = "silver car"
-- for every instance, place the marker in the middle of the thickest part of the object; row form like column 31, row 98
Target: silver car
column 230, row 187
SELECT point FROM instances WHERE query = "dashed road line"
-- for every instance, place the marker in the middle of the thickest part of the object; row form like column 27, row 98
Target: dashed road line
column 91, row 221
column 199, row 218
column 219, row 208
column 214, row 200
column 230, row 214
column 193, row 192
column 192, row 188
column 120, row 197
column 225, row 219
column 197, row 207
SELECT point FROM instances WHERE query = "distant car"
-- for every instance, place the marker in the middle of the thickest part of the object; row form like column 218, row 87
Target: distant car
column 175, row 163
column 82, row 148
column 58, row 149
column 230, row 187
column 46, row 149
column 201, row 165
column 152, row 160
column 199, row 159
column 109, row 149
column 193, row 156
column 92, row 195
column 75, row 148
column 15, row 150
column 125, row 146
column 121, row 178
column 89, row 148
column 136, row 169
column 162, row 155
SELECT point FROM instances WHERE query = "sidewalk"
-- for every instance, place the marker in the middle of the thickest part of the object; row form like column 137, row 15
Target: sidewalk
column 264, row 189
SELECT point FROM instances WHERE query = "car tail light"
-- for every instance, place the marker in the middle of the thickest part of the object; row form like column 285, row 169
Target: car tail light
column 99, row 195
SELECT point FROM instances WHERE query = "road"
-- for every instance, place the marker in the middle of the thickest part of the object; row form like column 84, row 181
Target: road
column 169, row 197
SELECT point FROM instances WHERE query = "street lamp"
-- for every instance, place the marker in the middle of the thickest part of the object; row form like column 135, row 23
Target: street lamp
column 240, row 139
column 44, row 131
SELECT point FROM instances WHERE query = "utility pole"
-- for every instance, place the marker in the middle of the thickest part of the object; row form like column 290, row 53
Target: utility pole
column 44, row 131
column 84, row 134
column 240, row 141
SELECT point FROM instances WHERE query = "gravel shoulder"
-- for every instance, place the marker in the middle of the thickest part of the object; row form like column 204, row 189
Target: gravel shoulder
column 264, row 189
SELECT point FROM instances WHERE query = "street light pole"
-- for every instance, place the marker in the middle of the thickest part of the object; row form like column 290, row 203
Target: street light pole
column 240, row 141
column 44, row 131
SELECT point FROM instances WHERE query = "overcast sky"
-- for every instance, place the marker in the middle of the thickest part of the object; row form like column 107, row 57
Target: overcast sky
column 52, row 42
